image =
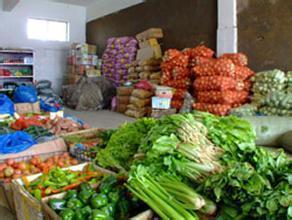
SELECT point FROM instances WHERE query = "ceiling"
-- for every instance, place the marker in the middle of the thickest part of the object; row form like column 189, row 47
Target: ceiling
column 76, row 2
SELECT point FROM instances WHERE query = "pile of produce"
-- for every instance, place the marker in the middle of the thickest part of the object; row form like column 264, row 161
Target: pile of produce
column 108, row 201
column 222, row 83
column 117, row 57
column 176, row 70
column 289, row 81
column 271, row 94
column 13, row 170
column 244, row 110
column 60, row 126
column 207, row 165
column 123, row 144
column 57, row 180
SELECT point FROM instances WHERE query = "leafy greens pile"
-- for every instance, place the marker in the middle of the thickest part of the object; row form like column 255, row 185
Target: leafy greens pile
column 175, row 160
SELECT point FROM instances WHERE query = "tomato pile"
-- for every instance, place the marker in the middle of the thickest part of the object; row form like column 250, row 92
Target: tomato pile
column 11, row 169
column 221, row 83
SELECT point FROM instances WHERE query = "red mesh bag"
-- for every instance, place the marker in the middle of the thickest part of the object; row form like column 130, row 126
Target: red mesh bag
column 217, row 109
column 202, row 51
column 239, row 59
column 222, row 97
column 243, row 73
column 177, row 103
column 220, row 83
column 179, row 94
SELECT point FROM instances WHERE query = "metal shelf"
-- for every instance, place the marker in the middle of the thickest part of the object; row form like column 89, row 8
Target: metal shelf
column 16, row 64
column 16, row 51
column 5, row 77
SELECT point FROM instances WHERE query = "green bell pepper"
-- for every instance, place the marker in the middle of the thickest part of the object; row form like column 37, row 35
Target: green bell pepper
column 86, row 211
column 78, row 215
column 99, row 201
column 99, row 215
column 108, row 183
column 109, row 209
column 71, row 194
column 74, row 203
column 67, row 214
column 57, row 204
column 85, row 187
column 85, row 195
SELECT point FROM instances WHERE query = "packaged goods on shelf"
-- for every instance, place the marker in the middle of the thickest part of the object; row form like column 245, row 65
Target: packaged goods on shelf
column 117, row 57
column 82, row 60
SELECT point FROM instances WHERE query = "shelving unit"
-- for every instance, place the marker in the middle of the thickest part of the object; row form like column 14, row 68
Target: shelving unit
column 16, row 66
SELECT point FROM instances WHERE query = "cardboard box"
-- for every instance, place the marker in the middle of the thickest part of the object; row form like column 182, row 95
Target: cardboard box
column 150, row 33
column 148, row 43
column 160, row 103
column 24, row 108
column 149, row 52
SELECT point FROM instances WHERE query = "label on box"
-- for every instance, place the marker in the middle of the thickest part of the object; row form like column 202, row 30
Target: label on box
column 161, row 103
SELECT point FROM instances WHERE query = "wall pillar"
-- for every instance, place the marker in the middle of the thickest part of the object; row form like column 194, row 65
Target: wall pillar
column 227, row 27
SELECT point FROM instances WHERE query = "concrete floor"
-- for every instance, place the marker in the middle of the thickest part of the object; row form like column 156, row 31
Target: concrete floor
column 100, row 119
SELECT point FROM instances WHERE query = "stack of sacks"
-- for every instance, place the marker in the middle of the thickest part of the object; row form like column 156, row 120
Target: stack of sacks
column 140, row 101
column 117, row 57
column 145, row 70
column 222, row 83
column 123, row 98
column 289, row 82
column 271, row 94
column 177, row 68
column 176, row 74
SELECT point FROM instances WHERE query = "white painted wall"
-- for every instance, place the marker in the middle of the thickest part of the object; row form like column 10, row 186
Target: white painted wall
column 105, row 7
column 50, row 57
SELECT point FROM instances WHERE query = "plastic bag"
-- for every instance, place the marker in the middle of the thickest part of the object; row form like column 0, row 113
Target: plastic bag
column 140, row 102
column 144, row 84
column 15, row 142
column 6, row 105
column 25, row 94
column 141, row 93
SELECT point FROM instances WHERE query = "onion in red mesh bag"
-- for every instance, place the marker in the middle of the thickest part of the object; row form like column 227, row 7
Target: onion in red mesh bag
column 222, row 97
column 179, row 94
column 170, row 54
column 205, row 69
column 217, row 109
column 239, row 59
column 177, row 103
column 178, row 84
column 224, row 67
column 243, row 73
column 202, row 51
column 206, row 83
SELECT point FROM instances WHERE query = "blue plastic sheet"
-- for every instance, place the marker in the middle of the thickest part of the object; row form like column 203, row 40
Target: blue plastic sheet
column 15, row 142
column 6, row 105
column 49, row 104
column 25, row 94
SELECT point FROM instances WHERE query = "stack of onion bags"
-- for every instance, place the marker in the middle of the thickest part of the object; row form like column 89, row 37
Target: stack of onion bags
column 222, row 84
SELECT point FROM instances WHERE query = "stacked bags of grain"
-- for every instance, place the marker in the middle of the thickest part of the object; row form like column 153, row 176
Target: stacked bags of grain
column 140, row 100
column 118, row 55
column 123, row 98
column 148, row 69
column 222, row 83
column 270, row 93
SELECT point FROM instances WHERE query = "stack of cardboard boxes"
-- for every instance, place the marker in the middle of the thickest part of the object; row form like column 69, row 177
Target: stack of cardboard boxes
column 82, row 60
column 147, row 64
